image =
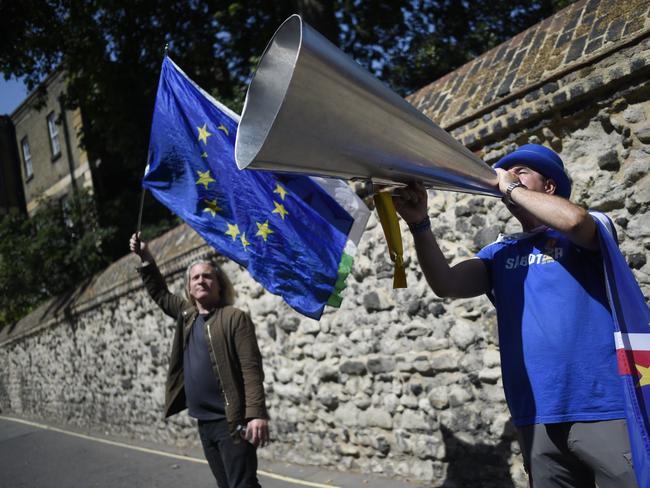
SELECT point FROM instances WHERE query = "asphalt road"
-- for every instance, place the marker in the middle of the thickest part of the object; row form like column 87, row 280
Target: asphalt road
column 34, row 455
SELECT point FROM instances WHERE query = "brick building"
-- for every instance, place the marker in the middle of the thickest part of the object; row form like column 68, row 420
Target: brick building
column 52, row 162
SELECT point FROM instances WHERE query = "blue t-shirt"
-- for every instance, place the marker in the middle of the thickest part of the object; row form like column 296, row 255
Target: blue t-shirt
column 556, row 334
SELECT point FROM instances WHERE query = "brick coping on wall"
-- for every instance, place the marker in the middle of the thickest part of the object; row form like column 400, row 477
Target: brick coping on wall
column 581, row 34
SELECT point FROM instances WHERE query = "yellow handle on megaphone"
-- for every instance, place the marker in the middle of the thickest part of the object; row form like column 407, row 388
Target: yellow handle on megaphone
column 393, row 235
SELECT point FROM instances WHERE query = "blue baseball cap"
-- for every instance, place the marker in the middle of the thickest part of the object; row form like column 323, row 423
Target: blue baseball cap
column 541, row 159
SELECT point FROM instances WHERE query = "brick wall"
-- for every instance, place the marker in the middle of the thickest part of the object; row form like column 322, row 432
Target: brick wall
column 580, row 35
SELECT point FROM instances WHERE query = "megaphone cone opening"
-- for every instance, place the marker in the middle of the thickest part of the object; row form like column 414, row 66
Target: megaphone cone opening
column 311, row 109
column 267, row 90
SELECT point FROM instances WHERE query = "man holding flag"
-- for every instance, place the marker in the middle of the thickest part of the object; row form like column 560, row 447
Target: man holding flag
column 557, row 314
column 215, row 367
column 295, row 235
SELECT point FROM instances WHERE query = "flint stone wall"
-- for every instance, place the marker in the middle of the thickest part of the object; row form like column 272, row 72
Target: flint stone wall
column 396, row 382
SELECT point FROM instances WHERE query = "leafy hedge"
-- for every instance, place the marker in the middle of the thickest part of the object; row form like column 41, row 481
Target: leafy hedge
column 49, row 253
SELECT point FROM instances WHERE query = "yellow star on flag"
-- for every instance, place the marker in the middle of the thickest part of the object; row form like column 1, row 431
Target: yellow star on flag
column 211, row 206
column 203, row 133
column 280, row 190
column 263, row 230
column 204, row 178
column 244, row 242
column 223, row 128
column 204, row 155
column 233, row 231
column 644, row 380
column 279, row 209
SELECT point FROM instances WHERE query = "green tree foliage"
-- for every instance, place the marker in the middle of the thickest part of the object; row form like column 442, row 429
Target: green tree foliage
column 112, row 50
column 48, row 254
column 411, row 44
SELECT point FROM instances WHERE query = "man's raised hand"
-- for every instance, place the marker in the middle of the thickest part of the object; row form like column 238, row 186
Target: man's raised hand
column 139, row 247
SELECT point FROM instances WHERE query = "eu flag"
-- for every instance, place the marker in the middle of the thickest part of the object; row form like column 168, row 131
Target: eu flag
column 632, row 337
column 266, row 222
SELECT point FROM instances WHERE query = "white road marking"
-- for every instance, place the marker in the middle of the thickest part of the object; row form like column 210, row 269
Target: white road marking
column 268, row 474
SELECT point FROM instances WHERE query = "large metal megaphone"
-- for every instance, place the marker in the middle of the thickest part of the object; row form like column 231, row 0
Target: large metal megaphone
column 312, row 109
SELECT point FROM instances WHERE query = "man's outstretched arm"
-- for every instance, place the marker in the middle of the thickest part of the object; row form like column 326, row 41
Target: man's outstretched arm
column 153, row 279
column 468, row 278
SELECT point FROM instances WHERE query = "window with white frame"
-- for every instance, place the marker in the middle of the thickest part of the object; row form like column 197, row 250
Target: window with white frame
column 53, row 129
column 27, row 158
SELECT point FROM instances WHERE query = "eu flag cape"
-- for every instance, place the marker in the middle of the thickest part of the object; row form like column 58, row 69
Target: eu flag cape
column 632, row 337
column 286, row 230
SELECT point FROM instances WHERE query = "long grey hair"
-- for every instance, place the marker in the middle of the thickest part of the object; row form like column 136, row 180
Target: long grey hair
column 226, row 290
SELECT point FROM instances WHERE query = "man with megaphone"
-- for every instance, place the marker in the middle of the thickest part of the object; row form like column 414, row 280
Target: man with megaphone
column 556, row 340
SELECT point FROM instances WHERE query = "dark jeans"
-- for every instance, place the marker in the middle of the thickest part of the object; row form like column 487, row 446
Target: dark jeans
column 234, row 465
column 577, row 454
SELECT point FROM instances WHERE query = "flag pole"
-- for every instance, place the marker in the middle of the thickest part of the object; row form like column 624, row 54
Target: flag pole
column 142, row 193
column 139, row 228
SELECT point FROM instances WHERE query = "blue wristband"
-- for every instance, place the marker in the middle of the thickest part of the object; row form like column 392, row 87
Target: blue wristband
column 421, row 226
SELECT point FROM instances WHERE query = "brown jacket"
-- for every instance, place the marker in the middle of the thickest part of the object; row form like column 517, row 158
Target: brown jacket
column 235, row 355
